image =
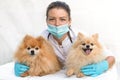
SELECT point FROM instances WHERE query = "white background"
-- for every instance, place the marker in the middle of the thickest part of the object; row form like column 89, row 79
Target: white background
column 20, row 17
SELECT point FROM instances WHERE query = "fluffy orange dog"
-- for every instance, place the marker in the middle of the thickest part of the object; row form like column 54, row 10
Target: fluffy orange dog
column 84, row 51
column 39, row 55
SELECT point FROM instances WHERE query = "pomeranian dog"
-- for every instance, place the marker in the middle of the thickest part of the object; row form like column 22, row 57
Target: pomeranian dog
column 38, row 54
column 85, row 50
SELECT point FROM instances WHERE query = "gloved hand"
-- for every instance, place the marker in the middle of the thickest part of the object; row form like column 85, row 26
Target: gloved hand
column 20, row 68
column 95, row 69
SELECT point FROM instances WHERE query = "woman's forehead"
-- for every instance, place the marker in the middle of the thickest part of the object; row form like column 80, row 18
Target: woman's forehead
column 57, row 12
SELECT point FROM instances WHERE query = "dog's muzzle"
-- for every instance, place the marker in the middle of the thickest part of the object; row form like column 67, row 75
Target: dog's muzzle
column 87, row 51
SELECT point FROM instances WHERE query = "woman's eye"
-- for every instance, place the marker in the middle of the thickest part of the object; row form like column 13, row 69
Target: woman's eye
column 63, row 19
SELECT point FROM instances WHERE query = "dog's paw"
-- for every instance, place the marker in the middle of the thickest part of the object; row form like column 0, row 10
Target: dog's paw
column 79, row 75
column 24, row 74
column 70, row 72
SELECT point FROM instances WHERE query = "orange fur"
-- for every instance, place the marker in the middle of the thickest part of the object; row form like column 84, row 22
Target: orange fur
column 42, row 62
column 77, row 57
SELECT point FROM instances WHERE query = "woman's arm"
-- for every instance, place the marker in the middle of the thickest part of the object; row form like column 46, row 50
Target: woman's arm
column 111, row 60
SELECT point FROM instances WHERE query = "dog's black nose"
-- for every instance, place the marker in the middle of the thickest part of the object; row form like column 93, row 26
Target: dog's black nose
column 87, row 46
column 32, row 52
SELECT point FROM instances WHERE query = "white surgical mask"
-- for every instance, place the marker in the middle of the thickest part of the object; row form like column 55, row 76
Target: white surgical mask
column 58, row 31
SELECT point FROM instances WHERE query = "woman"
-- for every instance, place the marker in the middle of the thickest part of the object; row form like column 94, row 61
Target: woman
column 61, row 37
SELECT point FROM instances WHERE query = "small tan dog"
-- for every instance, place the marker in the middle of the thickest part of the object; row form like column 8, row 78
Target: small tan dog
column 84, row 51
column 39, row 55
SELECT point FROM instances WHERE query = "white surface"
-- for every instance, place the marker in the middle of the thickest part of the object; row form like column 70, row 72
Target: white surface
column 7, row 73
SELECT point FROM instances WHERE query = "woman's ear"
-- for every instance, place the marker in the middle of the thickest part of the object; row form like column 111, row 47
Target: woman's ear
column 69, row 22
column 47, row 20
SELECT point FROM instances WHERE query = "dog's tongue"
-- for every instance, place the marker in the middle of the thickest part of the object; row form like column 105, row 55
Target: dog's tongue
column 88, row 51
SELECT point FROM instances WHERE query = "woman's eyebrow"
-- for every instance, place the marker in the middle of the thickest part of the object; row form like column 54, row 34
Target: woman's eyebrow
column 64, row 17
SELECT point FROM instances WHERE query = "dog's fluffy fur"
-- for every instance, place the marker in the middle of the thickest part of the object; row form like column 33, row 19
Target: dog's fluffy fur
column 85, row 50
column 39, row 55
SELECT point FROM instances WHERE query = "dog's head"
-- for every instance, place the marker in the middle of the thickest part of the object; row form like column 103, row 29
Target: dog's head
column 32, row 49
column 88, row 45
column 31, row 45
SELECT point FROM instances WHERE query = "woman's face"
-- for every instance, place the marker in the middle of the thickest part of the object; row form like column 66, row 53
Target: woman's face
column 57, row 17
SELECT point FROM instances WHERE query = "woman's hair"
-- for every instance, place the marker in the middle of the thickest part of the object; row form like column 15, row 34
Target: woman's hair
column 58, row 4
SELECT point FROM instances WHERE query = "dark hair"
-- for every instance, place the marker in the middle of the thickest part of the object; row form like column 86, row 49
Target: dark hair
column 58, row 4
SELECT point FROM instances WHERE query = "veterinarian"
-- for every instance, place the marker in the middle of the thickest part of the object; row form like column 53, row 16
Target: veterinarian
column 61, row 36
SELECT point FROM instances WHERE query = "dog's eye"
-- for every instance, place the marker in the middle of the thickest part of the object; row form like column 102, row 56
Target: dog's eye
column 36, row 48
column 28, row 48
column 92, row 44
column 83, row 44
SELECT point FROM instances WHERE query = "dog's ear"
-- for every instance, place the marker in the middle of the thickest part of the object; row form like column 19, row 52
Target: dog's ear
column 43, row 42
column 26, row 38
column 80, row 35
column 95, row 36
column 40, row 39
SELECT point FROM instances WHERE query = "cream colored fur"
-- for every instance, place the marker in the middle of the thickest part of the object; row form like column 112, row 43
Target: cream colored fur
column 76, row 57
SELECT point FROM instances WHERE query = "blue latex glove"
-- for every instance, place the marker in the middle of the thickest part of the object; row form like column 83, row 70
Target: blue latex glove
column 95, row 69
column 20, row 68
